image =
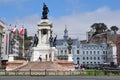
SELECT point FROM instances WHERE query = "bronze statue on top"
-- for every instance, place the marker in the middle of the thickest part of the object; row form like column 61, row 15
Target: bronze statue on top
column 45, row 11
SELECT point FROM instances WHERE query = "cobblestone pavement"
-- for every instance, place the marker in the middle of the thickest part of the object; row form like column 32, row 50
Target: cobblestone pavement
column 58, row 78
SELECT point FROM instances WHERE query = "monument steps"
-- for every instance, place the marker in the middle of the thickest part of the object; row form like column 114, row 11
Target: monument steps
column 42, row 66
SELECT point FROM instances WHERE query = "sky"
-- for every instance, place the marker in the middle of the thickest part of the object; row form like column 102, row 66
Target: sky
column 76, row 15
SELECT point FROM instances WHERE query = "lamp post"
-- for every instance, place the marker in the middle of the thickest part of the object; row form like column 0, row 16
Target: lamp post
column 12, row 43
column 70, row 42
column 51, row 45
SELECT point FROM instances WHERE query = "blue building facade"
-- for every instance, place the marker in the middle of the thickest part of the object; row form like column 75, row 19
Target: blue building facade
column 62, row 47
column 83, row 53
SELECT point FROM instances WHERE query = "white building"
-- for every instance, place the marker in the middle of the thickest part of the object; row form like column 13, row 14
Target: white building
column 112, row 57
column 2, row 36
column 92, row 54
column 9, row 50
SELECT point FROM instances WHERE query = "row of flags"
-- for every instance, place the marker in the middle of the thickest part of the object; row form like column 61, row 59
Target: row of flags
column 21, row 32
column 14, row 30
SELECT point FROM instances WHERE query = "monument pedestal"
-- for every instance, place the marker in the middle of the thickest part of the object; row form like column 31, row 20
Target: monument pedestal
column 43, row 54
column 43, row 51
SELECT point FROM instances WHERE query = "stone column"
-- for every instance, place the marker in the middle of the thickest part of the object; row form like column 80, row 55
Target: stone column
column 39, row 37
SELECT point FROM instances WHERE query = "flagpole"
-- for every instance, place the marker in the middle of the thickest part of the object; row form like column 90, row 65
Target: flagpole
column 23, row 44
column 21, row 32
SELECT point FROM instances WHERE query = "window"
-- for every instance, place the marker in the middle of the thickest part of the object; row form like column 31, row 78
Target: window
column 98, row 52
column 104, row 58
column 87, row 62
column 94, row 52
column 77, row 51
column 90, row 58
column 83, row 58
column 78, row 58
column 87, row 52
column 91, row 62
column 98, row 62
column 90, row 52
column 103, row 52
column 94, row 62
column 83, row 52
column 78, row 62
column 94, row 58
column 65, row 51
column 83, row 62
column 65, row 45
column 61, row 51
column 98, row 58
column 87, row 58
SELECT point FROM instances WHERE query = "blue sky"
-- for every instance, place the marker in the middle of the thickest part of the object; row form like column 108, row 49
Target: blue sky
column 78, row 15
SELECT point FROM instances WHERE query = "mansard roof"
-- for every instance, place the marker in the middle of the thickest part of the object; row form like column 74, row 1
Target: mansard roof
column 60, row 42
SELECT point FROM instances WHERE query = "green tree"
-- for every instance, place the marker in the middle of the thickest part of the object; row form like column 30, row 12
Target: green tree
column 99, row 28
column 114, row 28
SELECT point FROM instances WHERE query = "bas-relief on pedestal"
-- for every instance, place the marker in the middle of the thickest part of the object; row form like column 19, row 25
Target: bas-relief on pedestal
column 43, row 51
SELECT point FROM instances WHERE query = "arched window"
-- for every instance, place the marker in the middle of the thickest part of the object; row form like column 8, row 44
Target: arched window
column 98, row 58
column 87, row 58
column 65, row 51
column 90, row 58
column 78, row 58
column 94, row 58
column 83, row 58
column 77, row 51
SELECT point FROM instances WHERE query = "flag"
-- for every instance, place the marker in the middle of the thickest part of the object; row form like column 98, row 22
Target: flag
column 14, row 30
column 21, row 31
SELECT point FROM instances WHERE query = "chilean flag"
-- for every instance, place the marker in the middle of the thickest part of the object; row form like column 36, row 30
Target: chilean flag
column 14, row 30
column 21, row 31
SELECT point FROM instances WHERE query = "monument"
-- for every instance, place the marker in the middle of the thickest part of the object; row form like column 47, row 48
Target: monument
column 42, row 49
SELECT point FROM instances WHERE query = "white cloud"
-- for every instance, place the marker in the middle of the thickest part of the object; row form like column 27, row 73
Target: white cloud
column 77, row 24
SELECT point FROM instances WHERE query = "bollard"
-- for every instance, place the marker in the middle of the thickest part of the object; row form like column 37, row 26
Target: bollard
column 45, row 72
column 95, row 73
column 30, row 72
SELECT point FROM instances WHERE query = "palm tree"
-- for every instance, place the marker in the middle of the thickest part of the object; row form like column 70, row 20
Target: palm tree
column 114, row 28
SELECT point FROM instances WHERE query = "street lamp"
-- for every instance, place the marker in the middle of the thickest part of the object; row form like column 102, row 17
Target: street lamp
column 12, row 43
column 70, row 42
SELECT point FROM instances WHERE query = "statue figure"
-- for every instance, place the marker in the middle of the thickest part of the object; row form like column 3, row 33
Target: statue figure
column 45, row 11
column 35, row 43
column 52, row 40
column 70, row 42
column 40, row 58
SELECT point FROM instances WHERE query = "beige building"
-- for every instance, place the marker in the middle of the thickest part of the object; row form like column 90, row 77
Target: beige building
column 2, row 32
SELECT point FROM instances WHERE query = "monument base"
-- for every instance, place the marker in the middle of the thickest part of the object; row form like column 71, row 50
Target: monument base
column 44, row 53
column 11, row 57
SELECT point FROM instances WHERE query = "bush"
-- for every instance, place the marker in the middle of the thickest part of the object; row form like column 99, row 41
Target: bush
column 2, row 67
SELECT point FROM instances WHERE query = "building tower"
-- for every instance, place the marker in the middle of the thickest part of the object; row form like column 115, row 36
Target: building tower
column 65, row 34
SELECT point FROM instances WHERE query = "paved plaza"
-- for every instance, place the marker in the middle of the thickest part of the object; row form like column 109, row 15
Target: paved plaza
column 58, row 78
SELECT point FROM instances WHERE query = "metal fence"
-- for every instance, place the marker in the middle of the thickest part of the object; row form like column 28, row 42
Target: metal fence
column 62, row 73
